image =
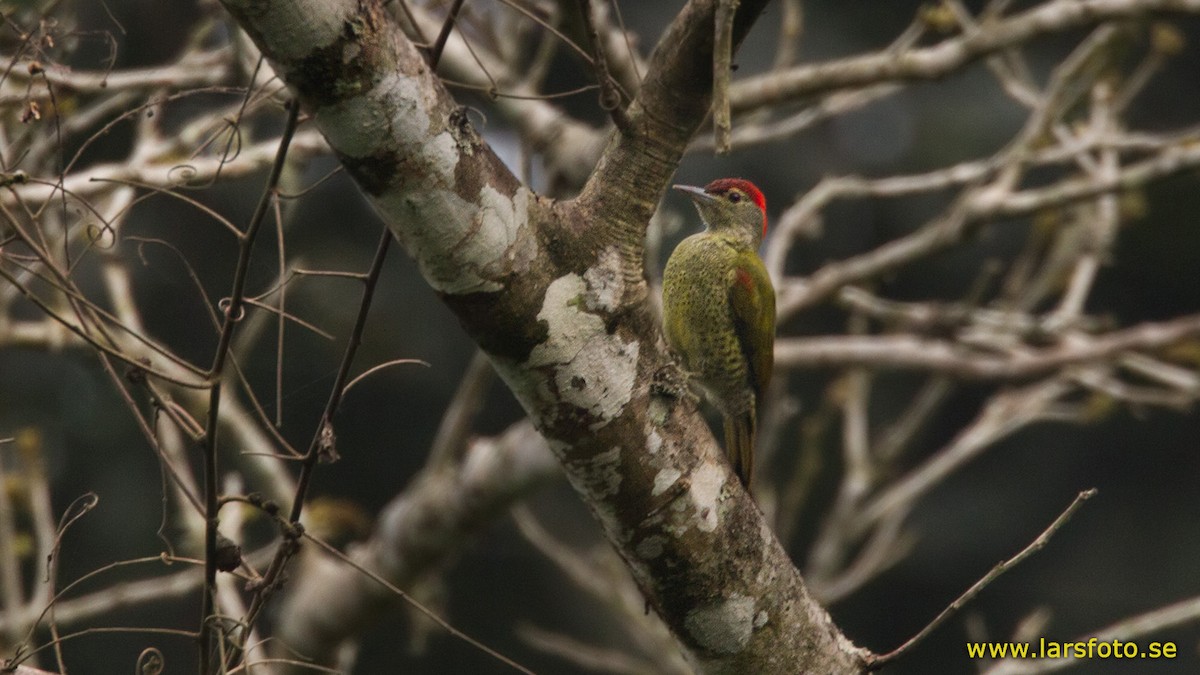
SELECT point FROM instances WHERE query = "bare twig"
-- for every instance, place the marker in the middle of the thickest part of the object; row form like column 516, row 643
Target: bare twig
column 722, row 71
column 232, row 316
column 909, row 352
column 435, row 52
column 1002, row 415
column 945, row 57
column 429, row 614
column 323, row 444
column 878, row 661
column 791, row 27
column 610, row 93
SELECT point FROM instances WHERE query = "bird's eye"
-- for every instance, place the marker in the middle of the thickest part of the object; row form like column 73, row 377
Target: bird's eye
column 735, row 197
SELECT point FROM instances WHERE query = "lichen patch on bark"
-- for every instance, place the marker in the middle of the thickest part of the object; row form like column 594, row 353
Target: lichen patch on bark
column 601, row 473
column 392, row 115
column 654, row 441
column 707, row 482
column 723, row 627
column 606, row 286
column 592, row 370
column 306, row 29
column 664, row 479
column 465, row 240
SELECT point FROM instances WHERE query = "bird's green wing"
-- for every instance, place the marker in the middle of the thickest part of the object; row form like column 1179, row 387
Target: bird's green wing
column 752, row 301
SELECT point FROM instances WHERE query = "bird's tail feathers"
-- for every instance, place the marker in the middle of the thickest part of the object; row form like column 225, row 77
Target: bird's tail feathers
column 740, row 431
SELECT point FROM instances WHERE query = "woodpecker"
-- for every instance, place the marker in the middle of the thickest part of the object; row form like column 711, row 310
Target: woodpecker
column 719, row 310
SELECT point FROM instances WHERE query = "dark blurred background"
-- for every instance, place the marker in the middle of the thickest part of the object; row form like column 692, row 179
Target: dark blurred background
column 1131, row 549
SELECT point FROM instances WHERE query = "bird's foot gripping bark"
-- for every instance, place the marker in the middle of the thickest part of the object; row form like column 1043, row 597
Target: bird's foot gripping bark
column 672, row 382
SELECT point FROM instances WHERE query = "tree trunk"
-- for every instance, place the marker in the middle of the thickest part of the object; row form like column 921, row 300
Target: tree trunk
column 554, row 293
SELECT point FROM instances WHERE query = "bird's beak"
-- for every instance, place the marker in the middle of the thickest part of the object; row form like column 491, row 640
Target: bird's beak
column 697, row 194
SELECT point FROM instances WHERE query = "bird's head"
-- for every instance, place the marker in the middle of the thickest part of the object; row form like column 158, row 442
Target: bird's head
column 731, row 205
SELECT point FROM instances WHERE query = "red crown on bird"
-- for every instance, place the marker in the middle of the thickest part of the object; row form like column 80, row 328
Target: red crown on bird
column 721, row 186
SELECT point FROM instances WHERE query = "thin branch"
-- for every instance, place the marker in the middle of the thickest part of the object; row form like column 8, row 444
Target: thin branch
column 583, row 655
column 412, row 602
column 982, row 206
column 322, row 447
column 908, row 352
column 1004, row 414
column 194, row 69
column 879, row 661
column 80, row 328
column 164, row 168
column 722, row 71
column 376, row 368
column 946, row 57
column 435, row 52
column 233, row 314
column 610, row 92
column 791, row 27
